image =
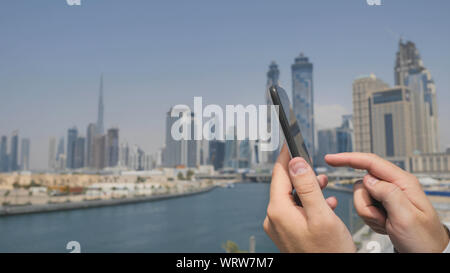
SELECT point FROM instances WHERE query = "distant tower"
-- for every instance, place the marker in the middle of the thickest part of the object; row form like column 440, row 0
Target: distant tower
column 25, row 154
column 100, row 128
column 407, row 60
column 72, row 135
column 90, row 138
column 411, row 72
column 52, row 153
column 273, row 78
column 112, row 147
column 273, row 75
column 14, row 154
column 4, row 165
column 303, row 99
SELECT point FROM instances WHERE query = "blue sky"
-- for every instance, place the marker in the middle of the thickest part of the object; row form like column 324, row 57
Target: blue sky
column 155, row 54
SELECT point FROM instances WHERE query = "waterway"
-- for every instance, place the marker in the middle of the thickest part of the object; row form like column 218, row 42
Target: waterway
column 198, row 223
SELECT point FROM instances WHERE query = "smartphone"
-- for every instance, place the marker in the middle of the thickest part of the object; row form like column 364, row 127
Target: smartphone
column 290, row 127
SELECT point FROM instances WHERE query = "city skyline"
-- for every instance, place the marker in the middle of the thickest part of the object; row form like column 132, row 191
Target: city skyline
column 145, row 76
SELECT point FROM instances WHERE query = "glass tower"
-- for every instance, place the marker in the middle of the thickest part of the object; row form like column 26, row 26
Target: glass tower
column 303, row 99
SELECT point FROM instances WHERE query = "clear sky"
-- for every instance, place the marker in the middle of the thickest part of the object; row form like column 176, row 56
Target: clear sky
column 155, row 54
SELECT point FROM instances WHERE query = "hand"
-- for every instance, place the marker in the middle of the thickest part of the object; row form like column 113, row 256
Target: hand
column 311, row 228
column 410, row 219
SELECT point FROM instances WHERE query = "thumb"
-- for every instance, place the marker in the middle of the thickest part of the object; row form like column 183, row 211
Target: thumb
column 306, row 185
column 394, row 200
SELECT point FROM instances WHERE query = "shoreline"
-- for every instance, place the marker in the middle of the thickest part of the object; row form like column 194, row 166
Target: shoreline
column 55, row 207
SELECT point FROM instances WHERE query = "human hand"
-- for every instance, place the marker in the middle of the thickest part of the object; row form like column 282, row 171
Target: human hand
column 410, row 219
column 311, row 228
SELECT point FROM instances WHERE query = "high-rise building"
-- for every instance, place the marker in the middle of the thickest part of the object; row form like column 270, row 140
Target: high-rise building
column 72, row 135
column 79, row 154
column 4, row 164
column 407, row 59
column 392, row 122
column 335, row 140
column 14, row 153
column 345, row 135
column 60, row 150
column 99, row 125
column 52, row 159
column 124, row 155
column 245, row 155
column 273, row 78
column 112, row 147
column 25, row 154
column 60, row 155
column 181, row 152
column 410, row 72
column 99, row 152
column 303, row 99
column 231, row 150
column 362, row 89
column 90, row 134
column 327, row 139
column 216, row 153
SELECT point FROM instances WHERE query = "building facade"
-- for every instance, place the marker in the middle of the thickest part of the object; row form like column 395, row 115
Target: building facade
column 411, row 72
column 72, row 135
column 25, row 154
column 14, row 153
column 303, row 99
column 362, row 89
column 90, row 135
column 391, row 112
column 4, row 164
column 112, row 147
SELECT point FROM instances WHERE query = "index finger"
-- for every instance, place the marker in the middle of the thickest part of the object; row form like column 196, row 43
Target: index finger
column 374, row 164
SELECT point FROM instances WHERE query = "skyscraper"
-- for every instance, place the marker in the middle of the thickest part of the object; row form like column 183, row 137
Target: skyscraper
column 72, row 135
column 52, row 153
column 362, row 89
column 303, row 98
column 273, row 75
column 124, row 155
column 245, row 155
column 180, row 152
column 273, row 78
column 90, row 134
column 14, row 154
column 79, row 154
column 99, row 152
column 335, row 140
column 25, row 154
column 410, row 72
column 216, row 153
column 60, row 156
column 407, row 59
column 99, row 125
column 112, row 147
column 4, row 164
column 392, row 122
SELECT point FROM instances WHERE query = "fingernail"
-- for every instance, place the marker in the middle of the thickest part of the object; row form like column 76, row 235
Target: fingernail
column 299, row 168
column 372, row 180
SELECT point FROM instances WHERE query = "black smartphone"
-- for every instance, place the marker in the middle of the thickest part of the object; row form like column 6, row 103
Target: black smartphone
column 290, row 127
